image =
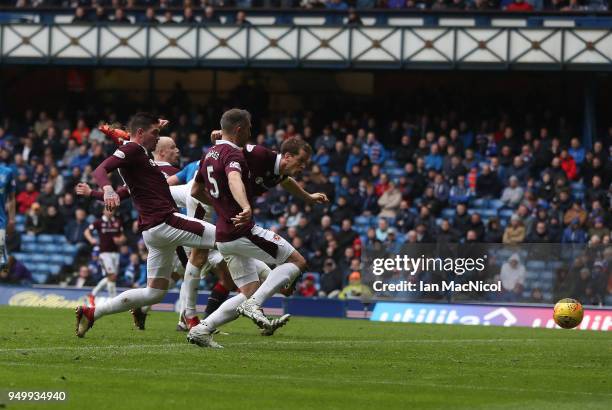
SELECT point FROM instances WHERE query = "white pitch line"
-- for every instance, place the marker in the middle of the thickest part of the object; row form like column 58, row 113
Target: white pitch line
column 273, row 342
column 317, row 380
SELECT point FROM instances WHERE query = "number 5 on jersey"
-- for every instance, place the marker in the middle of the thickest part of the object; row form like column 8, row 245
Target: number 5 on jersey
column 215, row 191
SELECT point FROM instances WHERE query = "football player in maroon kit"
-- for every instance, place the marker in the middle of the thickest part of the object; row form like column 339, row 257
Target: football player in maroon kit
column 267, row 169
column 110, row 236
column 165, row 154
column 163, row 228
column 224, row 180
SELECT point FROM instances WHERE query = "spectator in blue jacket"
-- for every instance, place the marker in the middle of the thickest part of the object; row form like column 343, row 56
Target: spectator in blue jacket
column 459, row 193
column 354, row 158
column 82, row 159
column 75, row 229
column 574, row 233
column 322, row 159
column 577, row 151
column 434, row 160
column 374, row 149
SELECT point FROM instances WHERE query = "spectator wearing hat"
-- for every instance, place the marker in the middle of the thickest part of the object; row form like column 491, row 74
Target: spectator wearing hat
column 308, row 288
column 515, row 231
column 512, row 276
column 513, row 194
column 574, row 233
column 598, row 228
column 355, row 289
column 331, row 279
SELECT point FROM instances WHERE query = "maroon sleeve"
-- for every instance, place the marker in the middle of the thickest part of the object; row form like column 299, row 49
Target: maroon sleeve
column 122, row 191
column 234, row 161
column 119, row 159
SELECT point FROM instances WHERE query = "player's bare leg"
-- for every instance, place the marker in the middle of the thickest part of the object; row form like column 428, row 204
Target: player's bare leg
column 130, row 299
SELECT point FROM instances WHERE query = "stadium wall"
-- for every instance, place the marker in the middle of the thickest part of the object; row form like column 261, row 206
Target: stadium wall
column 536, row 316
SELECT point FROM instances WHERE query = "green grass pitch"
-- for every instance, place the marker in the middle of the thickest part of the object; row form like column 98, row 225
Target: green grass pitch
column 309, row 364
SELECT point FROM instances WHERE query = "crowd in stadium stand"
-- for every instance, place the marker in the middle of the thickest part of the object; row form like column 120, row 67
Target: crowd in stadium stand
column 109, row 9
column 433, row 180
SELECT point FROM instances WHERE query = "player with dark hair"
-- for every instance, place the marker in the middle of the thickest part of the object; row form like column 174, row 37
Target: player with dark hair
column 163, row 227
column 225, row 179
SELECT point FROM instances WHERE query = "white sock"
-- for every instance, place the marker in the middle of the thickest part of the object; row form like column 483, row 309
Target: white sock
column 279, row 277
column 225, row 313
column 111, row 288
column 145, row 309
column 129, row 299
column 99, row 286
column 190, row 286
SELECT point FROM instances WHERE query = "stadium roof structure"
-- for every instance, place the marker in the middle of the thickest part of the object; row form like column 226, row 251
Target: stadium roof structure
column 405, row 41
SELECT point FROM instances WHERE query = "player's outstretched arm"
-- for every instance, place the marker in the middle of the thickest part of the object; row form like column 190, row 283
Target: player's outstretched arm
column 82, row 189
column 100, row 175
column 239, row 193
column 290, row 185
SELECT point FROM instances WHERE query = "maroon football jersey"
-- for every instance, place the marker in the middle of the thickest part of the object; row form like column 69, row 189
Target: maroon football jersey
column 107, row 229
column 224, row 157
column 166, row 168
column 264, row 168
column 148, row 187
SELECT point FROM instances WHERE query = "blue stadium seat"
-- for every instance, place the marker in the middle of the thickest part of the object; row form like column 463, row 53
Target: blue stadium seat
column 577, row 186
column 448, row 213
column 362, row 220
column 20, row 219
column 495, row 204
column 390, row 163
column 20, row 256
column 39, row 257
column 488, row 213
column 480, row 203
column 69, row 249
column 506, row 213
column 555, row 265
column 42, row 238
column 52, row 248
column 54, row 269
column 56, row 258
column 28, row 247
column 20, row 227
column 68, row 260
column 39, row 278
column 536, row 265
column 30, row 265
column 28, row 239
column 547, row 275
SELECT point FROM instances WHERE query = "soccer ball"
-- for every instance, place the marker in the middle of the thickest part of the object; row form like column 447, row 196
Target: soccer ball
column 568, row 313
